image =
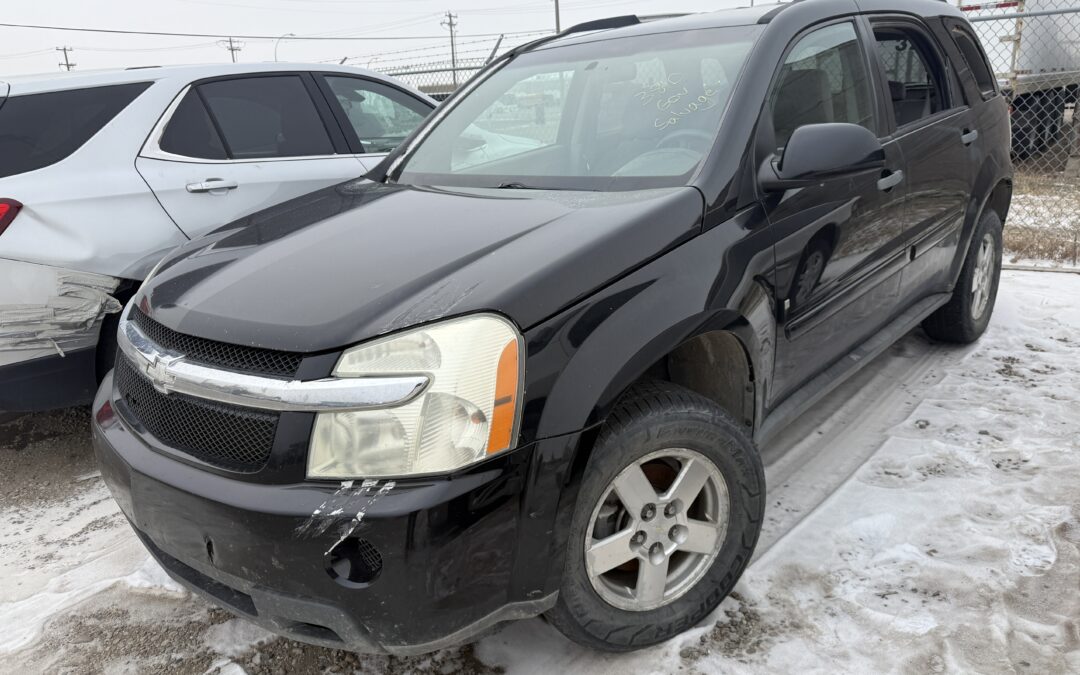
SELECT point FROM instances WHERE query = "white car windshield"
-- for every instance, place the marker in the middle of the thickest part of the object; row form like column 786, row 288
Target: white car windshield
column 626, row 113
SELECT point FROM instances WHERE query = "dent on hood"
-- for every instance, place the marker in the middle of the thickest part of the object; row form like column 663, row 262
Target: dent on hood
column 50, row 308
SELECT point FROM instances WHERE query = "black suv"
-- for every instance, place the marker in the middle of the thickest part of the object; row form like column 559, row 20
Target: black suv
column 521, row 368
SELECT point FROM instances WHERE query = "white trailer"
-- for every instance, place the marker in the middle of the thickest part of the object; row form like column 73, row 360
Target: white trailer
column 1034, row 48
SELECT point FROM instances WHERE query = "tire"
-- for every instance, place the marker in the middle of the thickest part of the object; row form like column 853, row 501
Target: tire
column 105, row 357
column 653, row 421
column 959, row 321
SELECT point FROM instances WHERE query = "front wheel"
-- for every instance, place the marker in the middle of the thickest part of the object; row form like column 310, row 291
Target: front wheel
column 666, row 520
column 967, row 314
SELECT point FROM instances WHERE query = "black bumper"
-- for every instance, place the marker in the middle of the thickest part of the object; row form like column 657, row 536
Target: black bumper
column 49, row 382
column 455, row 555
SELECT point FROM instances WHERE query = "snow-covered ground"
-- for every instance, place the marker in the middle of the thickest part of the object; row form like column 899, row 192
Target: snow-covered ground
column 924, row 518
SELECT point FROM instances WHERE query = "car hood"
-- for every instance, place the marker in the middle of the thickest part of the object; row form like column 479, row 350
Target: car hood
column 361, row 259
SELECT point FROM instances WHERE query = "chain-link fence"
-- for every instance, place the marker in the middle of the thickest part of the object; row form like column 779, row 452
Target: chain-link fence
column 438, row 71
column 1034, row 48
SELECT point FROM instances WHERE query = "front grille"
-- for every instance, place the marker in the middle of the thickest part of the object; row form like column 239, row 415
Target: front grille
column 235, row 357
column 231, row 437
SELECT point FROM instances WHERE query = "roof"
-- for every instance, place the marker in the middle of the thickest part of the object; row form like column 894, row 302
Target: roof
column 759, row 13
column 43, row 82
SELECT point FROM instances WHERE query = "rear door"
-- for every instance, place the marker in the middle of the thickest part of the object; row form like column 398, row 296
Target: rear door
column 228, row 147
column 936, row 131
column 375, row 116
column 839, row 253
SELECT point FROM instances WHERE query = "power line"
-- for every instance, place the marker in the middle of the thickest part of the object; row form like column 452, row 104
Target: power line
column 238, row 37
column 67, row 63
column 382, row 54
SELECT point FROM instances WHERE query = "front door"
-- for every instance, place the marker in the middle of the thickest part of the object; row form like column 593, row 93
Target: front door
column 839, row 251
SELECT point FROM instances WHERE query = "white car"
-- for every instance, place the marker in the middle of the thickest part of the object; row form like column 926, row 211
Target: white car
column 102, row 173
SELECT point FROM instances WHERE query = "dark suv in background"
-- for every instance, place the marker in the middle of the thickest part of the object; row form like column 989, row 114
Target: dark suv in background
column 491, row 382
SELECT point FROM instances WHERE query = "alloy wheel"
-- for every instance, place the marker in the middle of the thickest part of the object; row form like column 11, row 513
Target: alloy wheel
column 657, row 530
column 983, row 278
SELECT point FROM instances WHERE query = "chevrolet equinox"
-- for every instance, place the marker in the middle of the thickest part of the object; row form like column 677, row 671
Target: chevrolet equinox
column 494, row 381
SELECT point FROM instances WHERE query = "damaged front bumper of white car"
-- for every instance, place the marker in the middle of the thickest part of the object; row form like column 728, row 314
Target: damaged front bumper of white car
column 50, row 320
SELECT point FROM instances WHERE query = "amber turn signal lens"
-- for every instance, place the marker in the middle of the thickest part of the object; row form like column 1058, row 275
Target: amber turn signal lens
column 506, row 391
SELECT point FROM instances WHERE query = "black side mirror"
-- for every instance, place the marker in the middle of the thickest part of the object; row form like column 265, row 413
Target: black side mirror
column 816, row 152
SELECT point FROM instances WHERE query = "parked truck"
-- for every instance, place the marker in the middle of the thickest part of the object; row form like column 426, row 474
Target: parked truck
column 1034, row 48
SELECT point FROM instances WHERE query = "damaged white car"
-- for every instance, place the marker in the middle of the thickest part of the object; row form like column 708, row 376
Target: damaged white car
column 102, row 173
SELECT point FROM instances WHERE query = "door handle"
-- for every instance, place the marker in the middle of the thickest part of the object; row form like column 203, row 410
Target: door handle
column 212, row 184
column 890, row 180
column 969, row 136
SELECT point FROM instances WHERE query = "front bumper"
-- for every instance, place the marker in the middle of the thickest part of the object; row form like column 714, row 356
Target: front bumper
column 456, row 555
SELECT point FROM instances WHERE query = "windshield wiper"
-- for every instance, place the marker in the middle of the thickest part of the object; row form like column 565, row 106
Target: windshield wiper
column 515, row 185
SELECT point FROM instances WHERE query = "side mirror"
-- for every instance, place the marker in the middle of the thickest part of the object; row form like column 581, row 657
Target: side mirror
column 466, row 144
column 816, row 152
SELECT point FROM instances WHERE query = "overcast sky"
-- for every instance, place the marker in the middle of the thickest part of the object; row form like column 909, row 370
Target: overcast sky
column 32, row 51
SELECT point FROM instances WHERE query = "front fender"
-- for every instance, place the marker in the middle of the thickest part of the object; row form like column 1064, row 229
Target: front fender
column 582, row 360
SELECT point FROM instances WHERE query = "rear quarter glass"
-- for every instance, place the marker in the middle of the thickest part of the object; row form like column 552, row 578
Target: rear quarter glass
column 38, row 130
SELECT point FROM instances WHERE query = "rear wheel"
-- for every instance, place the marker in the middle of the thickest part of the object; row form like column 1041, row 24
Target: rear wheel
column 666, row 520
column 967, row 314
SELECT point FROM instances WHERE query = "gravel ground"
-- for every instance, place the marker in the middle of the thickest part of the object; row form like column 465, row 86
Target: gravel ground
column 924, row 518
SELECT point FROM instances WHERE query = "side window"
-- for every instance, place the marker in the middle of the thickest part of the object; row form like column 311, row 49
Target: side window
column 380, row 115
column 914, row 73
column 976, row 61
column 37, row 130
column 262, row 117
column 823, row 79
column 190, row 133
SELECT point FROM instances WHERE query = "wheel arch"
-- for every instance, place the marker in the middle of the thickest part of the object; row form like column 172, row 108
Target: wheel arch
column 724, row 345
column 993, row 190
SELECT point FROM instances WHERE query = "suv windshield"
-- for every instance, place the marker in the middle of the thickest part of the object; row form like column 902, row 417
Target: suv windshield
column 627, row 113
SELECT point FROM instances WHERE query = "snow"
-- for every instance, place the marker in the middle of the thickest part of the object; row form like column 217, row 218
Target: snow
column 925, row 517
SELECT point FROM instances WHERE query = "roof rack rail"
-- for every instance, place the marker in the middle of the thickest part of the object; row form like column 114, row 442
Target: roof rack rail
column 603, row 24
column 670, row 15
column 597, row 24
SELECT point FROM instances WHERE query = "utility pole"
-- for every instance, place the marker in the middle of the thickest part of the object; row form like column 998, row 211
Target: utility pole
column 67, row 64
column 558, row 22
column 233, row 46
column 451, row 24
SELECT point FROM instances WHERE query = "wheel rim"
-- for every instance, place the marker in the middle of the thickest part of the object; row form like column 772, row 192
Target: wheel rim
column 815, row 265
column 982, row 280
column 657, row 529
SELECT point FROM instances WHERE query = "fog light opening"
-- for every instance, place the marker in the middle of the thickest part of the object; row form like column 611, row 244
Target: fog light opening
column 354, row 562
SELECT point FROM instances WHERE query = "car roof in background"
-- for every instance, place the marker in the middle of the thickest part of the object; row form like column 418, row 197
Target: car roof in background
column 45, row 82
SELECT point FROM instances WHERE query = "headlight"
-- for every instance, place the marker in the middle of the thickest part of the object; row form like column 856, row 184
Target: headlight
column 467, row 412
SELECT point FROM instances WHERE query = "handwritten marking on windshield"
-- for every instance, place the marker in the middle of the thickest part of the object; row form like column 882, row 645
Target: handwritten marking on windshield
column 668, row 96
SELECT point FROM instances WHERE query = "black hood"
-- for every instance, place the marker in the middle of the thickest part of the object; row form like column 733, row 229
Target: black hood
column 360, row 259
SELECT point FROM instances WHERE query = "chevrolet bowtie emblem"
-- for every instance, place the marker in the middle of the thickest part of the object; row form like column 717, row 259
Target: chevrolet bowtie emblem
column 157, row 371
